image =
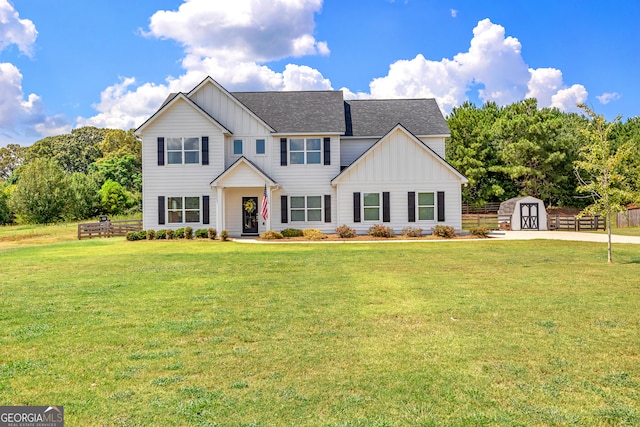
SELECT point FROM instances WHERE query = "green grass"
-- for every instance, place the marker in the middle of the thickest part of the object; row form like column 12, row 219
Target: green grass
column 210, row 333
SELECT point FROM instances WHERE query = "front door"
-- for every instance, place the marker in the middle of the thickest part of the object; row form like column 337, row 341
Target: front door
column 529, row 216
column 249, row 215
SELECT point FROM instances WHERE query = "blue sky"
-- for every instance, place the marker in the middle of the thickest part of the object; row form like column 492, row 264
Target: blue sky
column 110, row 63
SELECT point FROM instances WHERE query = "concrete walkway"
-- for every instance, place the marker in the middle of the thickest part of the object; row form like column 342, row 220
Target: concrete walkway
column 563, row 235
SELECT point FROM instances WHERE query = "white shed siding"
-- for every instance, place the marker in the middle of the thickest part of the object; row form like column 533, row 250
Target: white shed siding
column 180, row 120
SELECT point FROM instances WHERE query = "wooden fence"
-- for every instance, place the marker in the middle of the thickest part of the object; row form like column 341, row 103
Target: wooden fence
column 571, row 223
column 491, row 207
column 630, row 218
column 108, row 228
column 488, row 221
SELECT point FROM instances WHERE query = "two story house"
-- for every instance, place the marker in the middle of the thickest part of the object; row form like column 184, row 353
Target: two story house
column 211, row 156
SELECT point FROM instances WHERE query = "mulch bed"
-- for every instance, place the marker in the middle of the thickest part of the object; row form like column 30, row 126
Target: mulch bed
column 366, row 238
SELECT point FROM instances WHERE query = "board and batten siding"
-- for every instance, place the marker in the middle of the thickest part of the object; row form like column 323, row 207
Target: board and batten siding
column 352, row 148
column 305, row 180
column 180, row 120
column 228, row 111
column 399, row 165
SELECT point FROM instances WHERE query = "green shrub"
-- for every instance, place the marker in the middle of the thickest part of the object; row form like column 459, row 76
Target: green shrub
column 412, row 231
column 480, row 231
column 345, row 232
column 271, row 234
column 179, row 233
column 380, row 230
column 161, row 234
column 151, row 234
column 133, row 236
column 291, row 232
column 445, row 231
column 202, row 233
column 171, row 234
column 312, row 234
column 142, row 235
column 212, row 232
column 224, row 235
column 188, row 233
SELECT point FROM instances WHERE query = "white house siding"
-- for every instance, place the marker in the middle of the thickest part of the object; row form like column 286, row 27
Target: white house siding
column 305, row 180
column 352, row 148
column 399, row 165
column 180, row 120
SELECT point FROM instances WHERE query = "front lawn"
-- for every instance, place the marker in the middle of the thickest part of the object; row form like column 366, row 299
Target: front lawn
column 221, row 333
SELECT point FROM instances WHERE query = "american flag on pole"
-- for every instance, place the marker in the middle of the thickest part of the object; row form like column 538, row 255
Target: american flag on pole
column 265, row 204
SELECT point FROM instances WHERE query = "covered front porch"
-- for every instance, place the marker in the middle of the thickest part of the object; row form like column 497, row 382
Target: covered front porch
column 240, row 192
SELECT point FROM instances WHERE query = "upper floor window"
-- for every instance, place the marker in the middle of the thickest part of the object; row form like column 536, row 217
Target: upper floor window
column 260, row 146
column 305, row 151
column 183, row 151
column 183, row 209
column 237, row 147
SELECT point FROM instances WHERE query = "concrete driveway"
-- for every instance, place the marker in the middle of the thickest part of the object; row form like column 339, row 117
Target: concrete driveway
column 563, row 235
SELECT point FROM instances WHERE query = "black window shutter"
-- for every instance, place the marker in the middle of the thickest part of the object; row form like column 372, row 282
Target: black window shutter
column 411, row 206
column 205, row 150
column 284, row 210
column 283, row 151
column 386, row 207
column 327, row 151
column 205, row 210
column 327, row 208
column 356, row 207
column 161, row 152
column 160, row 209
column 440, row 205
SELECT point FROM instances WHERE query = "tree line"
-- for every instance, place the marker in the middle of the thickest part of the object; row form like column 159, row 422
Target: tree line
column 504, row 152
column 71, row 177
column 520, row 149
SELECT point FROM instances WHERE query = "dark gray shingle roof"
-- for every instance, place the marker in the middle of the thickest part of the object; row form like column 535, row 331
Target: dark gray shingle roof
column 297, row 112
column 375, row 117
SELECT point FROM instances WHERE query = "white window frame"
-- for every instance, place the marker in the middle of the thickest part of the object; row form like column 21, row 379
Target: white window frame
column 264, row 141
column 306, row 209
column 183, row 150
column 425, row 205
column 233, row 147
column 366, row 207
column 182, row 211
column 305, row 151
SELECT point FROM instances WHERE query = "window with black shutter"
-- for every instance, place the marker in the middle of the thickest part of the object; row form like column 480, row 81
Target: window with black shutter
column 205, row 150
column 160, row 151
column 283, row 151
column 327, row 151
column 205, row 210
column 440, row 205
column 284, row 210
column 411, row 206
column 161, row 210
column 386, row 207
column 327, row 208
column 356, row 207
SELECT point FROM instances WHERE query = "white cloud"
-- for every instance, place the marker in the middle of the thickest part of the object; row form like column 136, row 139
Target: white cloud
column 607, row 97
column 245, row 30
column 454, row 13
column 494, row 63
column 20, row 116
column 566, row 99
column 13, row 30
column 228, row 42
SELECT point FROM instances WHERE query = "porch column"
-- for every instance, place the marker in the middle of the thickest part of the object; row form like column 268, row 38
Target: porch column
column 219, row 210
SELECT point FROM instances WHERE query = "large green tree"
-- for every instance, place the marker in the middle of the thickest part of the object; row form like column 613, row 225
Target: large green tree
column 602, row 172
column 11, row 157
column 41, row 194
column 536, row 150
column 74, row 152
column 472, row 150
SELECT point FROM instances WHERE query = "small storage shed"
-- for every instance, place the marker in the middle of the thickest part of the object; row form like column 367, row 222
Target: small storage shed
column 522, row 213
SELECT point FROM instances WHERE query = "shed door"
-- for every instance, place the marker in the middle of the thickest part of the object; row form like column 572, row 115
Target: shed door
column 529, row 216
